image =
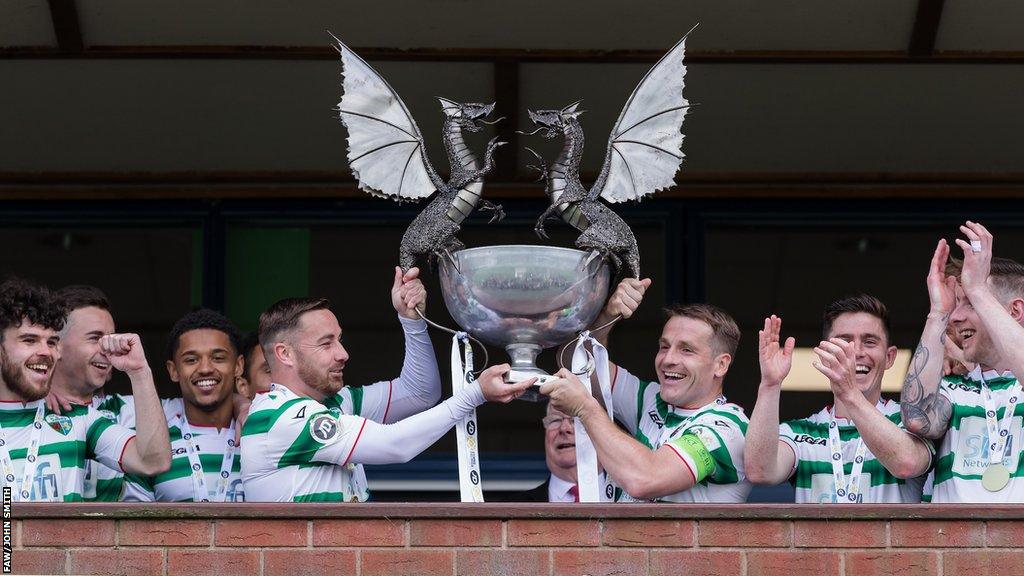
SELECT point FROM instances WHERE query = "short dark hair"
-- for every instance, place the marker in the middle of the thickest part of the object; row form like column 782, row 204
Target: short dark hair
column 1007, row 278
column 249, row 343
column 79, row 296
column 725, row 331
column 203, row 318
column 283, row 316
column 22, row 300
column 852, row 304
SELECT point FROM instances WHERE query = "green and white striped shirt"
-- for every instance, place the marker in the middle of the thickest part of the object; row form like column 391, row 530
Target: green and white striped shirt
column 175, row 485
column 295, row 449
column 963, row 452
column 808, row 438
column 103, row 484
column 66, row 442
column 720, row 427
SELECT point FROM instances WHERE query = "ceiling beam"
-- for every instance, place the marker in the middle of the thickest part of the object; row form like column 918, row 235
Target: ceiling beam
column 66, row 27
column 510, row 54
column 926, row 28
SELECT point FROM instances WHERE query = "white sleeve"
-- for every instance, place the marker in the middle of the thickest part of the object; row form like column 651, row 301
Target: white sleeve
column 625, row 398
column 404, row 440
column 418, row 386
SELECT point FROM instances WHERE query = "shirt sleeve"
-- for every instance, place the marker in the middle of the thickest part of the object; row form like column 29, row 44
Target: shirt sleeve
column 105, row 441
column 787, row 436
column 307, row 432
column 723, row 440
column 626, row 398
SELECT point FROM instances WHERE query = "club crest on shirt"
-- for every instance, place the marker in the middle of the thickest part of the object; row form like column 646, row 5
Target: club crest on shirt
column 59, row 423
column 323, row 428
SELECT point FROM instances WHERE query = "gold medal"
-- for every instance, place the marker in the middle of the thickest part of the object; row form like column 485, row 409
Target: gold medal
column 995, row 478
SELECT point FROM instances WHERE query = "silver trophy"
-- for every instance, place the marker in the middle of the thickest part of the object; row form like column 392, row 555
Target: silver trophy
column 524, row 298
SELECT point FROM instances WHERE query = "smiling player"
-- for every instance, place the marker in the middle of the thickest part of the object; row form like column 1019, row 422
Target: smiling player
column 855, row 450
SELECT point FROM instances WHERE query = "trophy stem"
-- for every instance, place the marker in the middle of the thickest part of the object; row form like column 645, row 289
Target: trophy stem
column 524, row 357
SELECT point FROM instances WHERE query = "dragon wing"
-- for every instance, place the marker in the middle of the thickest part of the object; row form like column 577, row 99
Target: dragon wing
column 385, row 147
column 645, row 146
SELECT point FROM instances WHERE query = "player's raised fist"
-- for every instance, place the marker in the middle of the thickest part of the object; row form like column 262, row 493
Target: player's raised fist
column 408, row 293
column 124, row 352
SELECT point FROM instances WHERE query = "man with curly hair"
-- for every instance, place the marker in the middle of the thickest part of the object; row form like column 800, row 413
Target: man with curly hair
column 43, row 453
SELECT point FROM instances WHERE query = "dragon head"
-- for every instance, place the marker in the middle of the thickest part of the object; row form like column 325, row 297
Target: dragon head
column 469, row 116
column 550, row 123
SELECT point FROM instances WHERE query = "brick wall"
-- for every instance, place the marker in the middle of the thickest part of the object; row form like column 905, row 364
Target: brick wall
column 549, row 539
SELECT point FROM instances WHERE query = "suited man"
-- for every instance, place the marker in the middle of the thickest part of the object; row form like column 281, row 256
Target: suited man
column 560, row 455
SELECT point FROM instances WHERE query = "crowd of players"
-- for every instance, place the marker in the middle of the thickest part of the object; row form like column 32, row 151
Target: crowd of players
column 269, row 417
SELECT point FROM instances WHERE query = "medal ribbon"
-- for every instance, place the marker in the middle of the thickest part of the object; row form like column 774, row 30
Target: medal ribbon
column 200, row 493
column 998, row 432
column 594, row 485
column 31, row 459
column 846, row 490
column 466, row 438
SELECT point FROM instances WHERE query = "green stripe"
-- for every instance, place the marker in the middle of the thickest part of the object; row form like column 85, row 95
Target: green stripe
column 320, row 497
column 357, row 400
column 92, row 437
column 305, row 447
column 805, row 469
column 113, row 403
column 71, row 453
column 17, row 418
column 262, row 421
column 961, row 411
column 180, row 467
column 731, row 416
column 108, row 490
column 640, row 403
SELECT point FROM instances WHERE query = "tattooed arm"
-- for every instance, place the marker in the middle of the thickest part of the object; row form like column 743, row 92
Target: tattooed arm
column 925, row 410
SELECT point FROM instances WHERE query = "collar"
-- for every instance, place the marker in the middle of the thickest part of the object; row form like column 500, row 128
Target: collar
column 829, row 412
column 687, row 412
column 978, row 376
column 558, row 490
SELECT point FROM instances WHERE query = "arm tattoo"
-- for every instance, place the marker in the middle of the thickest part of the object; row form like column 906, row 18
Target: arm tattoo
column 928, row 413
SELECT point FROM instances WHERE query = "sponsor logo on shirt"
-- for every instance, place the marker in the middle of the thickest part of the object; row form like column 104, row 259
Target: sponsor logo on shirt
column 807, row 439
column 324, row 428
column 653, row 415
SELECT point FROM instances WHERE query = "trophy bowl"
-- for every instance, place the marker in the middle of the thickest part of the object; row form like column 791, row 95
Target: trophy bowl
column 524, row 298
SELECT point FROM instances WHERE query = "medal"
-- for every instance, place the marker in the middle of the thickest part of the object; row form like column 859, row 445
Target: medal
column 995, row 478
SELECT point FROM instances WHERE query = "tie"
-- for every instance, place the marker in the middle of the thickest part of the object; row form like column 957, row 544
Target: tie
column 575, row 491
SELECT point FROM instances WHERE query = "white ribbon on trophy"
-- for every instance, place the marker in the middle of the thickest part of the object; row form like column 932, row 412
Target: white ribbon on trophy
column 594, row 485
column 466, row 430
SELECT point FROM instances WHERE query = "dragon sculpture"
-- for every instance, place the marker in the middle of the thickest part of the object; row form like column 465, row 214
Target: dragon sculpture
column 644, row 154
column 387, row 156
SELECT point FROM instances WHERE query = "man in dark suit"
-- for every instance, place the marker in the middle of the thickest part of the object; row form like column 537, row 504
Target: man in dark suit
column 560, row 455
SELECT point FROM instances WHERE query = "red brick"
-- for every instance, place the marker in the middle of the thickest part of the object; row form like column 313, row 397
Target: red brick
column 164, row 532
column 121, row 562
column 38, row 561
column 501, row 562
column 695, row 563
column 65, row 532
column 789, row 562
column 553, row 533
column 754, row 533
column 455, row 532
column 839, row 533
column 212, row 562
column 892, row 562
column 599, row 562
column 407, row 562
column 1004, row 533
column 925, row 534
column 647, row 533
column 359, row 533
column 256, row 532
column 982, row 562
column 309, row 562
